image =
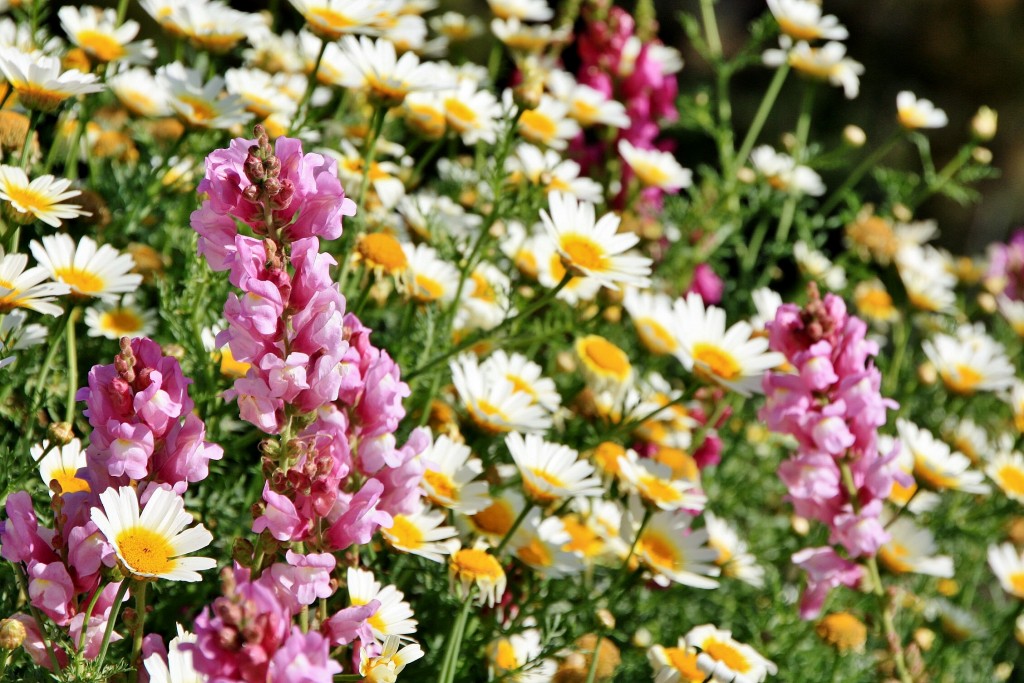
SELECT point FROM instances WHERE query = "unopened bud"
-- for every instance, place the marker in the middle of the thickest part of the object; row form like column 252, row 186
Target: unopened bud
column 982, row 155
column 251, row 193
column 12, row 634
column 746, row 175
column 242, row 552
column 902, row 212
column 987, row 302
column 789, row 141
column 985, row 124
column 854, row 136
column 925, row 638
column 254, row 169
column 60, row 433
column 801, row 527
column 606, row 618
column 643, row 638
column 284, row 197
column 272, row 187
column 926, row 373
column 272, row 165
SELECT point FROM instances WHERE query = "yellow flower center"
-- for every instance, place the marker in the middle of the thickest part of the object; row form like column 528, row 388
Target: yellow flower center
column 655, row 336
column 482, row 289
column 912, row 117
column 932, row 476
column 659, row 551
column 650, row 173
column 537, row 126
column 876, row 303
column 658, row 491
column 843, row 630
column 1017, row 583
column 583, row 539
column 1011, row 479
column 427, row 289
column 36, row 96
column 717, row 360
column 682, row 464
column 686, row 664
column 442, row 489
column 583, row 252
column 381, row 250
column 963, row 379
column 426, row 118
column 28, row 200
column 102, row 46
column 489, row 416
column 585, row 112
column 607, row 455
column 495, row 519
column 894, row 556
column 202, row 111
column 534, row 553
column 798, row 31
column 330, row 21
column 80, row 281
column 535, row 485
column 901, row 494
column 505, row 657
column 724, row 553
column 121, row 321
column 727, row 654
column 603, row 357
column 520, row 385
column 377, row 622
column 69, row 483
column 145, row 551
column 471, row 564
column 460, row 115
column 405, row 534
column 810, row 64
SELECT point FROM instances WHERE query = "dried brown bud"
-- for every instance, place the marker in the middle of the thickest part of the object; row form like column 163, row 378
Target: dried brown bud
column 12, row 634
column 60, row 433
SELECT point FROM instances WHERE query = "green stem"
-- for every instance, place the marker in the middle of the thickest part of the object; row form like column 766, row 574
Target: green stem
column 803, row 128
column 300, row 111
column 377, row 124
column 140, row 619
column 512, row 529
column 592, row 670
column 88, row 615
column 122, row 10
column 118, row 599
column 707, row 13
column 648, row 513
column 451, row 655
column 901, row 335
column 868, row 163
column 761, row 116
column 72, row 354
column 33, row 121
column 944, row 176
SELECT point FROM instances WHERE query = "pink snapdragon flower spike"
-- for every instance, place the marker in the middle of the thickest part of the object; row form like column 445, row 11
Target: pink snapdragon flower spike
column 832, row 405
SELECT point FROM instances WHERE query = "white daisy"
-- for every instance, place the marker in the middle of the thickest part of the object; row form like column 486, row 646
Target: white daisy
column 670, row 549
column 374, row 68
column 519, row 36
column 515, row 658
column 766, row 302
column 966, row 436
column 494, row 404
column 725, row 659
column 540, row 545
column 551, row 271
column 152, row 545
column 935, row 465
column 61, row 464
column 88, row 270
column 476, row 567
column 472, row 113
column 214, row 26
column 450, row 477
column 911, row 549
column 924, row 274
column 200, row 103
column 782, row 172
column 593, row 248
column 42, row 198
column 457, row 27
column 550, row 471
column 651, row 313
column 527, row 10
column 1006, row 469
column 393, row 617
column 332, row 19
column 814, row 264
column 734, row 557
column 179, row 667
column 495, row 520
column 915, row 113
column 391, row 661
column 1013, row 311
column 675, row 664
column 970, row 362
column 116, row 320
column 828, row 62
column 802, row 20
column 548, row 124
column 97, row 32
column 388, row 187
column 430, row 278
column 264, row 94
column 525, row 375
column 657, row 486
column 40, row 82
column 733, row 358
column 655, row 168
column 21, row 288
column 587, row 105
column 485, row 302
column 15, row 335
column 1008, row 566
column 547, row 169
column 421, row 533
column 140, row 93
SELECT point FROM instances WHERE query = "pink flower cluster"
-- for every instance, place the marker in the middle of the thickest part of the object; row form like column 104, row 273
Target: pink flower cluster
column 314, row 376
column 1006, row 266
column 248, row 634
column 832, row 405
column 143, row 434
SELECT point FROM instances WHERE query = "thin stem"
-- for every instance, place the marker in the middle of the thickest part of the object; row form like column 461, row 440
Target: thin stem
column 377, row 124
column 72, row 354
column 707, row 13
column 761, row 116
column 88, row 615
column 451, row 655
column 854, row 177
column 592, row 670
column 900, row 337
column 118, row 599
column 803, row 128
column 122, row 10
column 33, row 121
column 512, row 529
column 300, row 112
column 944, row 176
column 140, row 619
column 648, row 513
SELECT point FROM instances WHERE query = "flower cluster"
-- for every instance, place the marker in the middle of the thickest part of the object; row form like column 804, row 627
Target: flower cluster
column 832, row 405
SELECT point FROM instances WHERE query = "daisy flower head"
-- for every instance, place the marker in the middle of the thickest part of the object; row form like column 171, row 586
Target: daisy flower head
column 814, row 264
column 526, row 38
column 651, row 313
column 457, row 27
column 657, row 486
column 496, row 519
column 60, row 464
column 40, row 82
column 914, row 113
column 21, row 288
column 471, row 112
column 733, row 358
column 587, row 105
column 655, row 168
column 675, row 664
column 766, row 303
column 200, row 104
column 123, row 319
column 592, row 247
column 548, row 124
column 97, row 32
column 87, row 269
column 928, row 282
column 874, row 302
column 515, row 658
column 970, row 362
column 394, row 615
column 1012, row 311
column 422, row 533
column 152, row 545
column 828, row 62
column 382, row 254
column 333, row 19
column 550, row 471
column 802, row 20
column 43, row 198
column 264, row 94
column 725, row 659
column 605, row 365
column 525, row 10
column 214, row 26
column 935, row 464
column 430, row 279
column 541, row 546
column 374, row 67
column 670, row 549
column 1006, row 469
column 485, row 302
column 15, row 335
column 475, row 567
column 782, row 172
column 734, row 557
column 525, row 375
column 547, row 169
column 385, row 667
column 179, row 667
column 450, row 477
column 1008, row 566
column 911, row 549
column 493, row 403
column 137, row 89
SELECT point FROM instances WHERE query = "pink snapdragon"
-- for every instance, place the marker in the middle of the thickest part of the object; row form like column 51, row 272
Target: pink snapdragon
column 833, row 407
